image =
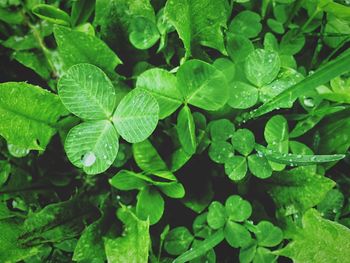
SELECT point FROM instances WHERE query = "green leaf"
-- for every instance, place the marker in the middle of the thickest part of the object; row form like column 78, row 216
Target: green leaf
column 237, row 235
column 292, row 43
column 243, row 141
column 220, row 152
column 197, row 251
column 287, row 78
column 246, row 23
column 237, row 208
column 36, row 62
column 163, row 86
column 143, row 32
column 242, row 95
column 221, row 130
column 236, row 168
column 288, row 185
column 259, row 166
column 5, row 170
column 331, row 206
column 92, row 146
column 267, row 234
column 297, row 159
column 51, row 14
column 148, row 159
column 216, row 215
column 262, row 67
column 90, row 244
column 87, row 92
column 133, row 244
column 329, row 71
column 77, row 47
column 81, row 11
column 276, row 135
column 10, row 249
column 238, row 47
column 276, row 130
column 198, row 82
column 227, row 67
column 127, row 180
column 203, row 27
column 172, row 189
column 136, row 116
column 17, row 151
column 319, row 240
column 263, row 255
column 247, row 253
column 28, row 115
column 178, row 240
column 150, row 205
column 186, row 130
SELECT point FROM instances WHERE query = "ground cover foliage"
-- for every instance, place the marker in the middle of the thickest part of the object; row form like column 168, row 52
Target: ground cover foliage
column 174, row 131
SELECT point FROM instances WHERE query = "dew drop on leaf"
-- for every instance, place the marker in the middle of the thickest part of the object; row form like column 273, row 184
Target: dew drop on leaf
column 88, row 159
column 309, row 102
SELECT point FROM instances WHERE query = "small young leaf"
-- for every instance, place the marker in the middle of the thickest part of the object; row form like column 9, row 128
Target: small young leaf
column 136, row 116
column 242, row 95
column 238, row 47
column 186, row 130
column 178, row 240
column 143, row 32
column 267, row 234
column 262, row 67
column 216, row 215
column 150, row 205
column 172, row 189
column 147, row 157
column 51, row 14
column 237, row 208
column 243, row 141
column 221, row 130
column 236, row 167
column 247, row 253
column 263, row 255
column 259, row 166
column 220, row 151
column 246, row 23
column 236, row 235
column 127, row 180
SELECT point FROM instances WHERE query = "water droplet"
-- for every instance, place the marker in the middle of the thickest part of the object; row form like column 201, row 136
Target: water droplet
column 88, row 159
column 309, row 102
column 299, row 156
column 105, row 157
column 313, row 158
